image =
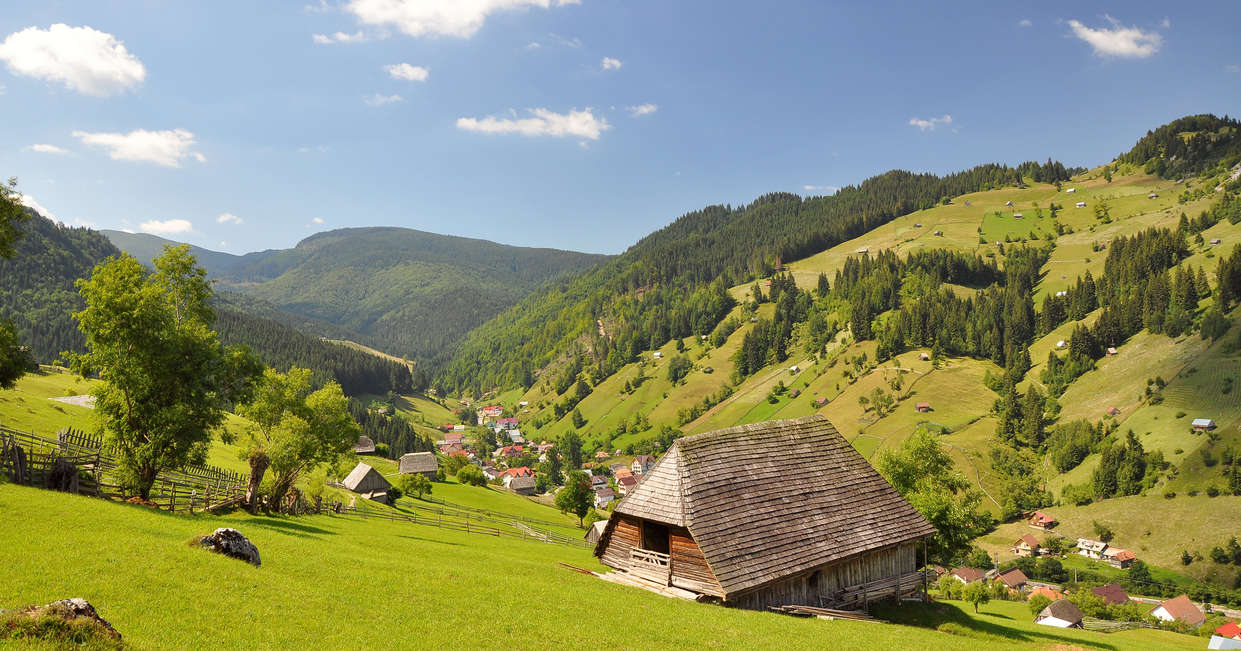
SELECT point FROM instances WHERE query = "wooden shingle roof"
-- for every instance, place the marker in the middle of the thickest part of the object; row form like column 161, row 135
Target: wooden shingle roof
column 769, row 500
column 418, row 462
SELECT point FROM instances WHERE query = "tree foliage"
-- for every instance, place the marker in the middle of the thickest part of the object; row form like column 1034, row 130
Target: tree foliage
column 575, row 497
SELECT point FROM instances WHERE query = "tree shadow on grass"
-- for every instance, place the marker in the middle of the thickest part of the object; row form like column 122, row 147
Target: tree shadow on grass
column 432, row 540
column 288, row 526
column 948, row 619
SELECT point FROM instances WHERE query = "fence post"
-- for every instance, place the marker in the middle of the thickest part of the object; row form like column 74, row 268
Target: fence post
column 172, row 497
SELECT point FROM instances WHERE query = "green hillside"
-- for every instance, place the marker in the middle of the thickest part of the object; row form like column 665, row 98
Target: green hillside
column 407, row 292
column 354, row 580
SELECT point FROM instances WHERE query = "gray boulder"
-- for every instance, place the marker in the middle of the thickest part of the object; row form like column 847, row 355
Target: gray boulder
column 76, row 608
column 231, row 543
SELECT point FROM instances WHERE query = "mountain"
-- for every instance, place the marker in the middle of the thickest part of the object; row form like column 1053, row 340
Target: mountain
column 145, row 247
column 407, row 292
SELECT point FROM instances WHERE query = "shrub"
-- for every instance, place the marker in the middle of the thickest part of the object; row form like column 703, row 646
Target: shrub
column 1212, row 491
column 394, row 494
column 1037, row 603
column 471, row 476
column 1169, row 494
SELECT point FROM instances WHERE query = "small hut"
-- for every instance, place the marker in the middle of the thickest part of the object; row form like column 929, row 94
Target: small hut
column 785, row 531
column 421, row 463
column 1203, row 424
column 1153, row 195
column 925, row 357
column 1061, row 614
column 367, row 482
column 1080, row 204
column 595, row 531
column 923, row 407
column 364, row 445
column 522, row 485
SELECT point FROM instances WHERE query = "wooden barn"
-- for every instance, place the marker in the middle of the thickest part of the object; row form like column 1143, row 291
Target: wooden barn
column 768, row 514
column 367, row 482
column 421, row 463
column 364, row 446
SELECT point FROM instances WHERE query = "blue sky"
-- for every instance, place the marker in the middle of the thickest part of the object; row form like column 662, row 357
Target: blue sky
column 584, row 125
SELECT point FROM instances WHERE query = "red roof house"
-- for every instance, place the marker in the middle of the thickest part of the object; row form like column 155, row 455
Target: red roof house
column 923, row 406
column 1050, row 593
column 968, row 575
column 1013, row 577
column 1229, row 630
column 1111, row 594
column 1041, row 520
column 1180, row 609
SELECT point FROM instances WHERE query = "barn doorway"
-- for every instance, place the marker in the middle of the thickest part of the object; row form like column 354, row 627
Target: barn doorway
column 654, row 537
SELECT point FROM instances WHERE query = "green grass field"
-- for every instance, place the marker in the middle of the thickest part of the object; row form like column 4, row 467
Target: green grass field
column 344, row 582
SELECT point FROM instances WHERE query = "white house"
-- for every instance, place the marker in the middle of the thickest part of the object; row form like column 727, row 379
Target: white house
column 1081, row 204
column 1063, row 292
column 1070, row 191
column 657, row 355
column 1179, row 609
column 1091, row 548
column 1061, row 344
column 1203, row 424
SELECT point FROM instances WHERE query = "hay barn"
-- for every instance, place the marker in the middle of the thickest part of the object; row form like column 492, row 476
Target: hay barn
column 364, row 446
column 768, row 514
column 422, row 463
column 367, row 482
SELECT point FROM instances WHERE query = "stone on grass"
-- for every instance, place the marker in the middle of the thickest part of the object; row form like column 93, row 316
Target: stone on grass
column 231, row 543
column 72, row 609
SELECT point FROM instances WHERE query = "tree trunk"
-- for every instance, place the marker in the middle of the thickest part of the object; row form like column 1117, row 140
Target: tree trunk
column 146, row 479
column 280, row 487
column 258, row 466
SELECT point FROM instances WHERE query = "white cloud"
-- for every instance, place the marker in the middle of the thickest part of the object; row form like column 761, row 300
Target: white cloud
column 534, row 45
column 1119, row 41
column 380, row 100
column 322, row 8
column 165, row 148
column 317, row 220
column 48, row 149
column 609, row 63
column 931, row 124
column 341, row 37
column 1166, row 23
column 829, row 189
column 166, row 227
column 407, row 72
column 459, row 18
column 573, row 42
column 580, row 124
column 83, row 59
column 229, row 218
column 1232, row 67
column 29, row 202
column 1025, row 22
column 322, row 149
column 642, row 109
column 223, row 244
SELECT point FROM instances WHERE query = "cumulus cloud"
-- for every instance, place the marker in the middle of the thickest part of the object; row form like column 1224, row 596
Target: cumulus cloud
column 48, row 149
column 83, row 59
column 457, row 18
column 1118, row 40
column 533, row 45
column 1232, row 67
column 1166, row 23
column 341, row 37
column 829, row 189
column 1025, row 22
column 931, row 124
column 229, row 218
column 380, row 100
column 609, row 63
column 322, row 8
column 165, row 148
column 407, row 72
column 542, row 122
column 317, row 220
column 29, row 202
column 166, row 227
column 642, row 109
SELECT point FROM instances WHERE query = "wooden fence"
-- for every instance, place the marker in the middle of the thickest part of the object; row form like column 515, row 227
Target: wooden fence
column 454, row 524
column 79, row 463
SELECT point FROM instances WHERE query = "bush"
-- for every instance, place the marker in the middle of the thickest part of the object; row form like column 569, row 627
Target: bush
column 383, row 450
column 472, row 476
column 1037, row 603
column 394, row 494
column 1212, row 491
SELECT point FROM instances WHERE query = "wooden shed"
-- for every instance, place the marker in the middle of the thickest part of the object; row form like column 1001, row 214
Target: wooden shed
column 367, row 482
column 768, row 514
column 422, row 463
column 364, row 445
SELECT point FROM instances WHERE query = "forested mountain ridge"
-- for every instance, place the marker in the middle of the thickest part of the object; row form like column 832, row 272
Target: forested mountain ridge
column 673, row 282
column 39, row 295
column 408, row 292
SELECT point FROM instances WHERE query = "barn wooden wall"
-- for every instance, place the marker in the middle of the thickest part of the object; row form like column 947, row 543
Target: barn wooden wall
column 626, row 535
column 822, row 586
column 689, row 566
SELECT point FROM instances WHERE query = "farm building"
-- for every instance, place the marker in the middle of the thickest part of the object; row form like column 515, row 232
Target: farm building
column 820, row 401
column 1080, row 204
column 1119, row 558
column 918, row 225
column 1061, row 614
column 831, row 533
column 1153, row 195
column 967, row 575
column 1070, row 191
column 862, row 251
column 657, row 355
column 421, row 463
column 367, row 482
column 595, row 531
column 1111, row 351
column 1091, row 548
column 1013, row 578
column 1026, row 545
column 1040, row 520
column 1215, row 240
column 1113, row 411
column 1062, row 293
column 938, row 233
column 1203, row 424
column 922, row 407
column 521, row 485
column 1061, row 344
column 925, row 357
column 1049, row 592
column 1017, row 215
column 1179, row 609
column 1111, row 594
column 364, row 446
column 1008, row 204
column 1231, row 630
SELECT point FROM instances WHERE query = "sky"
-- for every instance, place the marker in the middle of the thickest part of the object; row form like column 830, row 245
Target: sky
column 573, row 124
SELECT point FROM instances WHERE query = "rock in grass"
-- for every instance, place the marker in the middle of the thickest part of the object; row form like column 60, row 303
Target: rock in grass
column 65, row 623
column 231, row 543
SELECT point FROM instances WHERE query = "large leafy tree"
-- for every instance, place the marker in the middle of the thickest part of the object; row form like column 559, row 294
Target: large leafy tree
column 576, row 496
column 167, row 381
column 296, row 428
column 15, row 359
column 923, row 472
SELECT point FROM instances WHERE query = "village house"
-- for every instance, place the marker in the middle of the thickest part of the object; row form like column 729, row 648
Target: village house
column 602, row 454
column 364, row 446
column 1215, row 240
column 522, row 485
column 1080, row 204
column 1070, row 191
column 1026, row 545
column 598, row 481
column 367, row 482
column 1111, row 351
column 1203, row 424
column 625, row 484
column 922, row 407
column 421, row 463
column 1013, row 578
column 832, row 533
column 1060, row 614
column 967, row 575
column 1119, row 558
column 1051, row 593
column 1113, row 411
column 523, row 471
column 508, row 423
column 1229, row 631
column 1179, row 609
column 604, row 497
column 1091, row 548
column 1040, row 520
column 642, row 464
column 925, row 357
column 1111, row 594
